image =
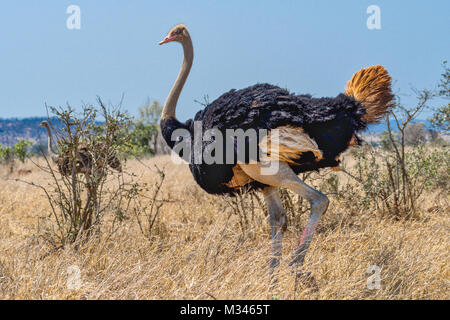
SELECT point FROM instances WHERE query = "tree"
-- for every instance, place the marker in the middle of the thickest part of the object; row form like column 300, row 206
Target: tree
column 146, row 130
column 150, row 113
column 441, row 117
column 415, row 133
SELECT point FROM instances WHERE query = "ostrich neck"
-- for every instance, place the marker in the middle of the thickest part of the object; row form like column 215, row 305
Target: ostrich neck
column 50, row 143
column 172, row 99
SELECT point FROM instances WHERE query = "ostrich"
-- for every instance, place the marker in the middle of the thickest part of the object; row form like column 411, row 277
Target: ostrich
column 84, row 159
column 312, row 133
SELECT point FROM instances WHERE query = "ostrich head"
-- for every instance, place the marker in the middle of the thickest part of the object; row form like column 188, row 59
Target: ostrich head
column 44, row 124
column 178, row 33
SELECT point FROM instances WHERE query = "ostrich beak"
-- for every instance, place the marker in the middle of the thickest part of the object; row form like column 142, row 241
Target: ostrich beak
column 168, row 39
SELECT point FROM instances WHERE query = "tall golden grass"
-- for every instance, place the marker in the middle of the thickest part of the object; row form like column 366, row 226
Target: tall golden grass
column 199, row 249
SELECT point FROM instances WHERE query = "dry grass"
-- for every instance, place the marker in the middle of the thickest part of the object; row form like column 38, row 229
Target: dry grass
column 199, row 250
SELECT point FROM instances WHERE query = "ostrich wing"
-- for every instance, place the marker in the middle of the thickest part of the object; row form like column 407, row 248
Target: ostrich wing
column 286, row 144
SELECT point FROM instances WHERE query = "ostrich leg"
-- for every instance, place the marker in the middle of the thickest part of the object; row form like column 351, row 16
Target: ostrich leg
column 286, row 178
column 277, row 218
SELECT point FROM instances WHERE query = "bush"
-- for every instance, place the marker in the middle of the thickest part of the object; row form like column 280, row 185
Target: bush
column 79, row 193
column 21, row 150
column 393, row 184
column 394, row 177
column 6, row 154
column 144, row 132
column 142, row 139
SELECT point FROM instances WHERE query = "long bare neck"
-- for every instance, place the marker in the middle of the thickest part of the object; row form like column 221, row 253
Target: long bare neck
column 171, row 101
column 50, row 151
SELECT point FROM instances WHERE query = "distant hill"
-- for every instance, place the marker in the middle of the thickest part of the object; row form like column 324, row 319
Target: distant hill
column 14, row 129
column 11, row 130
column 381, row 127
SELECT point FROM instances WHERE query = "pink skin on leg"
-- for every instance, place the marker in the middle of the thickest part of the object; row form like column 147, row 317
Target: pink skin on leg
column 286, row 178
column 308, row 232
column 305, row 240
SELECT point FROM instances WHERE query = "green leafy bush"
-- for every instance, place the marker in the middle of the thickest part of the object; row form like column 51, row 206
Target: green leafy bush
column 143, row 132
column 21, row 150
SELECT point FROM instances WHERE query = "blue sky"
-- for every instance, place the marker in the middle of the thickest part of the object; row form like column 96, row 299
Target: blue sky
column 306, row 46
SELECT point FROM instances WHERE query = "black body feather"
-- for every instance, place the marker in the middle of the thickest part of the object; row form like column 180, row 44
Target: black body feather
column 331, row 122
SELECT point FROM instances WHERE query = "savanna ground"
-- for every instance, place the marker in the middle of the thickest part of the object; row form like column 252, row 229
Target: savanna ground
column 205, row 247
